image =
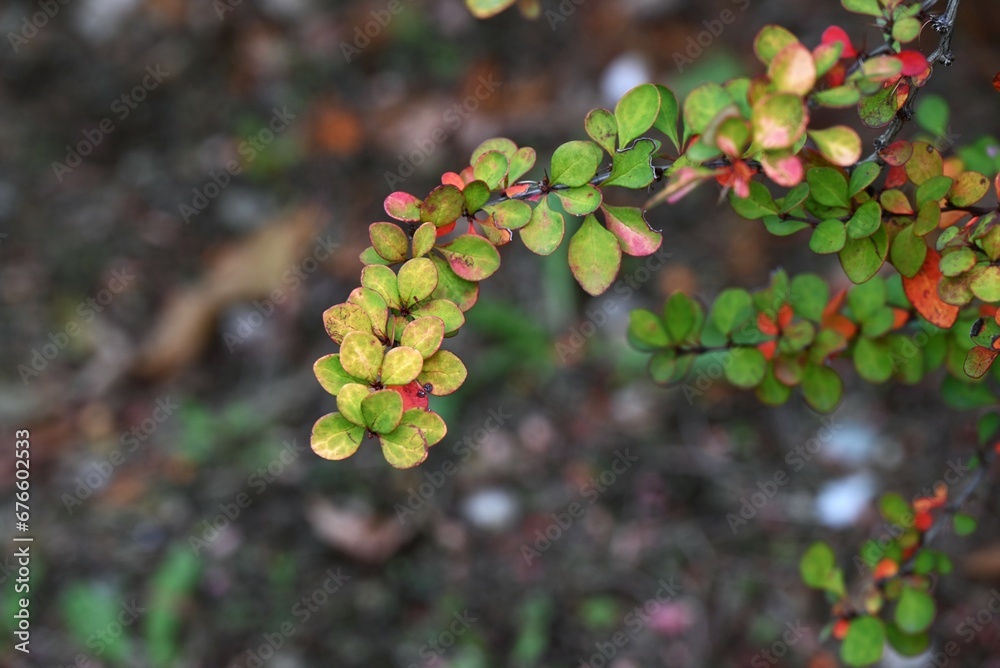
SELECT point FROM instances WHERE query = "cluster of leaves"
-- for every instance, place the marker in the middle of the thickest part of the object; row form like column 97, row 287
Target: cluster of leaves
column 895, row 604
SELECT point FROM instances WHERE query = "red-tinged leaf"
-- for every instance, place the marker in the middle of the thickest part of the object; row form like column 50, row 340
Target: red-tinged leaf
column 896, row 177
column 779, row 120
column 594, row 256
column 793, row 70
column 897, row 153
column 452, row 179
column 914, row 63
column 878, row 110
column 978, row 361
column 895, row 201
column 969, row 188
column 837, row 34
column 414, row 395
column 840, row 144
column 471, row 257
column 899, row 318
column 996, row 185
column 785, row 170
column 447, row 229
column 922, row 292
column 634, row 234
column 403, row 206
column 516, row 189
column 443, row 206
column 767, row 349
column 767, row 325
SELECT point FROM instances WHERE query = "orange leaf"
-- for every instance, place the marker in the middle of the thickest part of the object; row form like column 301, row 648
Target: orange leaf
column 885, row 569
column 922, row 292
column 896, row 177
column 841, row 628
column 785, row 315
column 899, row 318
column 767, row 349
column 766, row 324
column 923, row 521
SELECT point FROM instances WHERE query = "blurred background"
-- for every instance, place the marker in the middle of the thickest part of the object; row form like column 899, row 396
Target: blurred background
column 186, row 185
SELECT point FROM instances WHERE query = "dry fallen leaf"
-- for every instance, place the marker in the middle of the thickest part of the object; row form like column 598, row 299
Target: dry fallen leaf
column 362, row 536
column 247, row 269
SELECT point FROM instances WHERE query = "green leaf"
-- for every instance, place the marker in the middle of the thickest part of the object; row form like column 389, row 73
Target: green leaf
column 417, row 280
column 521, row 163
column 361, row 356
column 906, row 29
column 444, row 371
column 402, row 364
column 878, row 110
column 908, row 252
column 957, row 262
column 445, row 310
column 629, row 226
column 746, row 368
column 471, row 257
column 389, row 241
column 491, row 167
column 964, row 524
column 646, row 331
column 928, row 219
column 510, row 214
column 425, row 335
column 862, row 177
column 809, row 295
column 545, row 231
column 793, row 70
column 579, row 201
column 865, row 639
column 424, row 239
column 602, row 127
column 575, row 163
column 382, row 280
column 828, row 237
column 732, row 307
column 594, row 256
column 335, row 437
column 905, row 643
column 932, row 114
column 331, row 375
column 986, row 284
column 636, row 112
column 779, row 121
column 933, row 189
column 342, row 319
column 868, row 7
column 867, row 298
column 382, row 411
column 895, row 509
column 840, row 144
column 443, row 206
column 771, row 391
column 506, row 147
column 666, row 120
column 476, row 193
column 872, row 360
column 838, row 97
column 827, row 186
column 429, row 423
column 756, row 205
column 770, row 41
column 968, row 189
column 349, row 402
column 451, row 287
column 633, row 167
column 404, row 447
column 371, row 256
column 484, row 9
column 914, row 611
column 682, row 317
column 816, row 565
column 822, row 388
column 701, row 107
column 666, row 367
column 963, row 395
column 862, row 258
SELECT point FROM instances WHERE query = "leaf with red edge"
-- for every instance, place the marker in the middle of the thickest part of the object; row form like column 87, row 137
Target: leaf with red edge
column 770, row 41
column 779, row 120
column 896, row 177
column 840, row 144
column 793, row 70
column 978, row 361
column 879, row 109
column 634, row 234
column 837, row 34
column 403, row 206
column 922, row 291
column 414, row 395
column 471, row 257
column 783, row 168
column 969, row 188
column 914, row 63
